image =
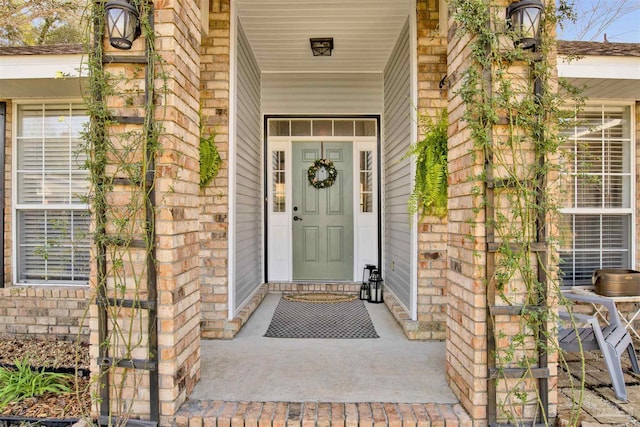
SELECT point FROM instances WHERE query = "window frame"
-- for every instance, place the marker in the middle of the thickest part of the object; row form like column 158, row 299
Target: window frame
column 633, row 198
column 16, row 207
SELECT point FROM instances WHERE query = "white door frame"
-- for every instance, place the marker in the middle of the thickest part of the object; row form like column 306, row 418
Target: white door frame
column 278, row 226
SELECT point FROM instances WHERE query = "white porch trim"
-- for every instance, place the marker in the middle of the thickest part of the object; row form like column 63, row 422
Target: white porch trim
column 413, row 35
column 231, row 238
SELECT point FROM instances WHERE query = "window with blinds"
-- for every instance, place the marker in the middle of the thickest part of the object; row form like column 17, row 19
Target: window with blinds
column 51, row 215
column 597, row 200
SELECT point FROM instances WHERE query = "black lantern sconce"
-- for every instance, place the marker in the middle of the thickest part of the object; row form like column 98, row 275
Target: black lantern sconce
column 321, row 47
column 123, row 23
column 364, row 288
column 524, row 17
column 375, row 288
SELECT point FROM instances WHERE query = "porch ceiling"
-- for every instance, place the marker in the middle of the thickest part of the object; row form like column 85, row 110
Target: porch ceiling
column 364, row 33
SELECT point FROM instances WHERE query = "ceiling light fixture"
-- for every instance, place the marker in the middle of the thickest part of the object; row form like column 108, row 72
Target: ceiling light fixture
column 321, row 46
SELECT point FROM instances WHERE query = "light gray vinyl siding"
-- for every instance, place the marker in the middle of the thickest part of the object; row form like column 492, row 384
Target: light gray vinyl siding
column 248, row 194
column 397, row 172
column 317, row 93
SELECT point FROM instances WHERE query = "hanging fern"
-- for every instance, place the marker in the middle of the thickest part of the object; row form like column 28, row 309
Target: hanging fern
column 429, row 195
column 210, row 159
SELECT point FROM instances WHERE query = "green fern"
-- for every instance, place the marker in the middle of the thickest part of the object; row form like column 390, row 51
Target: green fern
column 210, row 159
column 429, row 195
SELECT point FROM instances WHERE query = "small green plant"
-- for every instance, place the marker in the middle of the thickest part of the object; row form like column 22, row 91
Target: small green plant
column 210, row 159
column 429, row 195
column 23, row 383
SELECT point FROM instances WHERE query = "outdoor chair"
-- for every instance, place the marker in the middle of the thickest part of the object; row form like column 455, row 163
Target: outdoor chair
column 612, row 340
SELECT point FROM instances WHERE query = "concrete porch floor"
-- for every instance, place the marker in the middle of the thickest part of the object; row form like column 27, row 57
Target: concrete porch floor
column 253, row 381
column 387, row 369
column 267, row 382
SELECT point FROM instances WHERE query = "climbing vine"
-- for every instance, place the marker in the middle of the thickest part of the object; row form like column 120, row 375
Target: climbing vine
column 513, row 110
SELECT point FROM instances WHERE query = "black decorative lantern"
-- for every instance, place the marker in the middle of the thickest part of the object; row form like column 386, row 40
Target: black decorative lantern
column 364, row 291
column 123, row 24
column 375, row 287
column 364, row 288
column 524, row 17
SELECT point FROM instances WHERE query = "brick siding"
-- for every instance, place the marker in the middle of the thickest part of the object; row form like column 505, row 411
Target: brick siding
column 432, row 232
column 214, row 199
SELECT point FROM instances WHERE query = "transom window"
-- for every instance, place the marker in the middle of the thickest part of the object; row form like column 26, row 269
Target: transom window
column 596, row 229
column 322, row 127
column 51, row 215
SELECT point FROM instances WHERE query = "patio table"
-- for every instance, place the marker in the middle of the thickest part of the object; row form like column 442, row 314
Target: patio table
column 600, row 311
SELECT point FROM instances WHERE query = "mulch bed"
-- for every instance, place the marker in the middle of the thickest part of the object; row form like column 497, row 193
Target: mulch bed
column 57, row 356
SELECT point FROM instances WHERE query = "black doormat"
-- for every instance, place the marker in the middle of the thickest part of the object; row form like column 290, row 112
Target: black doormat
column 346, row 320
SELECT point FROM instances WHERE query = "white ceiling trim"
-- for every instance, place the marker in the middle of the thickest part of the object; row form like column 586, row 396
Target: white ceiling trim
column 40, row 66
column 600, row 67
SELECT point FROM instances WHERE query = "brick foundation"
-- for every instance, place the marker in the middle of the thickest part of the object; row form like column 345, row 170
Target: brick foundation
column 44, row 313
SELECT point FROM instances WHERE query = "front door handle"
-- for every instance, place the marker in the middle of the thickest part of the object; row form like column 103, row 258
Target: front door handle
column 297, row 218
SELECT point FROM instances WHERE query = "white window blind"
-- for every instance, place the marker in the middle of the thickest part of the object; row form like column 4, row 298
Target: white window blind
column 52, row 217
column 596, row 229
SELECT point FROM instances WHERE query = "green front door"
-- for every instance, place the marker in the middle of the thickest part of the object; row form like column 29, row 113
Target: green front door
column 322, row 217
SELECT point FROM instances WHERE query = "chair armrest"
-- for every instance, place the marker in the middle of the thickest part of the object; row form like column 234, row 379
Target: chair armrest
column 584, row 297
column 610, row 305
column 578, row 317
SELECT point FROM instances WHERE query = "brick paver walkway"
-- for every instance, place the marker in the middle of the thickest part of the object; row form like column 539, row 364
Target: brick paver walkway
column 599, row 404
column 198, row 413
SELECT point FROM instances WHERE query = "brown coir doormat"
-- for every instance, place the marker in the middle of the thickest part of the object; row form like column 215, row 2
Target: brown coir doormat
column 320, row 297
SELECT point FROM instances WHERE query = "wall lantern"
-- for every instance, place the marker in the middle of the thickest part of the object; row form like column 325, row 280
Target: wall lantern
column 375, row 287
column 321, row 47
column 524, row 17
column 123, row 23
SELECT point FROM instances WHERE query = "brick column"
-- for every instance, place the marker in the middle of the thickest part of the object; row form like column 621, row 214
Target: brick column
column 432, row 232
column 177, row 78
column 214, row 200
column 468, row 331
column 178, row 26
